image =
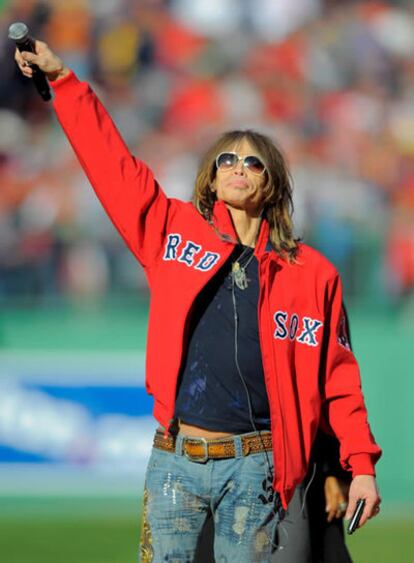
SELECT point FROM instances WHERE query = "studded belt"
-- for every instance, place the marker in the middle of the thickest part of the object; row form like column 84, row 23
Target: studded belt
column 202, row 449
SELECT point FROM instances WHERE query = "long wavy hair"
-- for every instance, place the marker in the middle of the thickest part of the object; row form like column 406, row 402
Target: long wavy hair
column 278, row 204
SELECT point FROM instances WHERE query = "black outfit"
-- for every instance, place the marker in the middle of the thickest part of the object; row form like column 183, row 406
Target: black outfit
column 327, row 538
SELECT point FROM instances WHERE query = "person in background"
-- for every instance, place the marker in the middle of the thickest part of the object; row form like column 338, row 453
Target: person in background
column 326, row 503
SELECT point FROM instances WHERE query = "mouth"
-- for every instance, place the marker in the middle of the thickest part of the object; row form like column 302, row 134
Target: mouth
column 239, row 184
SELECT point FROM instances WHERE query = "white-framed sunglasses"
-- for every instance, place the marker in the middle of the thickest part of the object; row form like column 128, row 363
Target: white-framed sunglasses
column 228, row 160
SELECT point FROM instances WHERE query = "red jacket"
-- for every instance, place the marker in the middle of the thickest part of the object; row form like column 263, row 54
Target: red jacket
column 307, row 362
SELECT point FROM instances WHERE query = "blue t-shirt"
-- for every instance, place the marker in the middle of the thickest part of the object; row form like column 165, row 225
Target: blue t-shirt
column 210, row 391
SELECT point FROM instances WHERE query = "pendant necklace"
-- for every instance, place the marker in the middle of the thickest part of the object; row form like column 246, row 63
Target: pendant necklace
column 238, row 269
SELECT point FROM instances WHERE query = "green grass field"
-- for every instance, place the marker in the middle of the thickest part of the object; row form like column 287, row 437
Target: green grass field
column 78, row 530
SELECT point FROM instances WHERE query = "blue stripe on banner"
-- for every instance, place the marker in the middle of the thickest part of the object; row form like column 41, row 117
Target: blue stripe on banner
column 12, row 455
column 99, row 399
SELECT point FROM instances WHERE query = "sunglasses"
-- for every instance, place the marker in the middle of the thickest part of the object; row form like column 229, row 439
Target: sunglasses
column 228, row 160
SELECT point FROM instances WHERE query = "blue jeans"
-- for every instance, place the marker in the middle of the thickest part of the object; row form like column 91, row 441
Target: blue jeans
column 179, row 493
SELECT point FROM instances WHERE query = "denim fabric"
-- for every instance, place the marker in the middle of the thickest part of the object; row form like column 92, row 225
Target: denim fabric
column 179, row 493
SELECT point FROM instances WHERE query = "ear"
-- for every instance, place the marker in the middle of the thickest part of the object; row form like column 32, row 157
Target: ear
column 213, row 186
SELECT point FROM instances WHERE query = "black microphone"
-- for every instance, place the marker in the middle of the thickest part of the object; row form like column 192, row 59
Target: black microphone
column 19, row 33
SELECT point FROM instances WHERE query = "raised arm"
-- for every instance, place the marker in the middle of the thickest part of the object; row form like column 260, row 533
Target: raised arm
column 125, row 186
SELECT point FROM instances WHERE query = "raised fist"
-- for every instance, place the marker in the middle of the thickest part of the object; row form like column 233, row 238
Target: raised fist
column 44, row 58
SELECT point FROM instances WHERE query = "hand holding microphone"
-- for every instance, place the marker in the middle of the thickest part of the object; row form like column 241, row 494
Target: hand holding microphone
column 36, row 60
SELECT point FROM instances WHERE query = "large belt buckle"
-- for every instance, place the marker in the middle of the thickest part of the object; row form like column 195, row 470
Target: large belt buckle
column 198, row 459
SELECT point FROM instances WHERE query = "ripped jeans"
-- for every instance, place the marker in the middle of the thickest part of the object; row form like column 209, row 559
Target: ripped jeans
column 179, row 493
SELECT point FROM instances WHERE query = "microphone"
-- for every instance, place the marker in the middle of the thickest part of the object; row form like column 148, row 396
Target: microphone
column 19, row 33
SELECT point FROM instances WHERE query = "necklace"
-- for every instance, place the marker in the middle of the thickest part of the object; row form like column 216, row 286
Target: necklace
column 238, row 269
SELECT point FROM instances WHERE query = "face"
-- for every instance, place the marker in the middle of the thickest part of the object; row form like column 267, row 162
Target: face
column 239, row 187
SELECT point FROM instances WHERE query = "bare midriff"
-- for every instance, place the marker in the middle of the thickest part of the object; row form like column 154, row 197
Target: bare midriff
column 190, row 430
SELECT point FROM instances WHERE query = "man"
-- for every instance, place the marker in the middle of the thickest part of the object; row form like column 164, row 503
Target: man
column 245, row 345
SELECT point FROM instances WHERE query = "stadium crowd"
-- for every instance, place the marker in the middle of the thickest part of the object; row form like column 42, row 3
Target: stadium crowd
column 331, row 81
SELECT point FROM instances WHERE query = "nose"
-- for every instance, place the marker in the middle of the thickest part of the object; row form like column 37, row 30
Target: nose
column 239, row 168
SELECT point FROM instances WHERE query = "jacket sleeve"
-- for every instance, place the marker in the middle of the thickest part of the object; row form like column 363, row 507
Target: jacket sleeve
column 344, row 406
column 126, row 187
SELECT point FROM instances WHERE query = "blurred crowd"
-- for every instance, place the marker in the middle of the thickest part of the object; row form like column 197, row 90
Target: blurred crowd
column 332, row 82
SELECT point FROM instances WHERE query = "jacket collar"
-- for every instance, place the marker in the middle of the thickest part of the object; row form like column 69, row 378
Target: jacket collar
column 223, row 222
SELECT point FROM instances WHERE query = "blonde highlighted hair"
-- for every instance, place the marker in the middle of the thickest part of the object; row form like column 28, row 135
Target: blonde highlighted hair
column 277, row 201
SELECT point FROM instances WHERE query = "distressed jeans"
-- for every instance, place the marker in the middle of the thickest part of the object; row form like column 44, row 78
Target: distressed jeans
column 180, row 492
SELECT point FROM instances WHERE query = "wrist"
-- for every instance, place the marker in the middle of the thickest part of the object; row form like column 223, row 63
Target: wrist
column 361, row 464
column 61, row 72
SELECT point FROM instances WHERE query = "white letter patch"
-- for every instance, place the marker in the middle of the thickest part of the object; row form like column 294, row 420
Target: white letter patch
column 288, row 329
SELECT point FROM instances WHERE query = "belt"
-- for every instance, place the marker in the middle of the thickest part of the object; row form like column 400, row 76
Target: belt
column 202, row 449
